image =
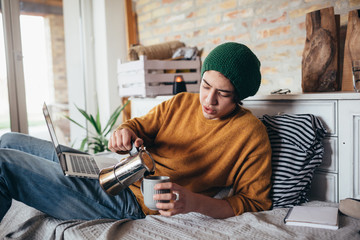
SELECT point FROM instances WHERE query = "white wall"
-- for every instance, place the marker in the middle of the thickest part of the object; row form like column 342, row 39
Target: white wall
column 74, row 66
column 110, row 45
column 95, row 38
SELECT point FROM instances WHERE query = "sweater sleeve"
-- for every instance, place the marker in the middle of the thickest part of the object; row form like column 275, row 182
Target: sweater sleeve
column 252, row 182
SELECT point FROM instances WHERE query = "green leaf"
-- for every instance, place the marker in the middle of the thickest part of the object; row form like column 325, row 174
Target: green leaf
column 95, row 125
column 114, row 117
column 88, row 130
column 83, row 143
column 98, row 145
column 98, row 121
column 106, row 143
column 75, row 122
column 83, row 113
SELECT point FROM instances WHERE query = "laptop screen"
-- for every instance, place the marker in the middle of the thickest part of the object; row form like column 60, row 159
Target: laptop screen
column 51, row 129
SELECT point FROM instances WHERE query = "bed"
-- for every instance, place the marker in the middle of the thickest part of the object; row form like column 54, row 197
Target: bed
column 23, row 222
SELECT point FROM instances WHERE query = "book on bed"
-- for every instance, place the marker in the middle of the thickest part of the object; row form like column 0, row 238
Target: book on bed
column 318, row 217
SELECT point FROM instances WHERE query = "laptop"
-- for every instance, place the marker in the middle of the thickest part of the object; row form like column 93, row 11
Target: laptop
column 81, row 164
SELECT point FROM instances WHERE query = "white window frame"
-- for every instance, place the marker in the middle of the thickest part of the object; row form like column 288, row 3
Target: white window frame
column 14, row 60
column 95, row 39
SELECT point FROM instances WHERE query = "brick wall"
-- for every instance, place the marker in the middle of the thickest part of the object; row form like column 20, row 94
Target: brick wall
column 57, row 45
column 274, row 30
column 56, row 41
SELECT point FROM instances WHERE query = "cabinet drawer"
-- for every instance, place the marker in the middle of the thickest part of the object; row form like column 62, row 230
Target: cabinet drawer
column 330, row 159
column 324, row 187
column 325, row 110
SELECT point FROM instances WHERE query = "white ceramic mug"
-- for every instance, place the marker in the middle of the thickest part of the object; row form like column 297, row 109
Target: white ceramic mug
column 148, row 191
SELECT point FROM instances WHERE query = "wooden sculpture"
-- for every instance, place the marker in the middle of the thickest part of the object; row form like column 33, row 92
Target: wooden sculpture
column 320, row 56
column 352, row 49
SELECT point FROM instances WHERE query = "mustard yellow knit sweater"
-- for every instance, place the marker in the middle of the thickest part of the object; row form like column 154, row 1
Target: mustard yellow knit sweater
column 207, row 155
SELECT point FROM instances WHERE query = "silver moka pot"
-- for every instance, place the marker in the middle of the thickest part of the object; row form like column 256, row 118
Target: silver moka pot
column 116, row 178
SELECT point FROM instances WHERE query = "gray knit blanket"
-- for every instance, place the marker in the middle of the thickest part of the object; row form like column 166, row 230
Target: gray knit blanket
column 23, row 222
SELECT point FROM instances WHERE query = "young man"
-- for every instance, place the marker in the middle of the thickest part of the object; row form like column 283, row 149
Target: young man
column 204, row 142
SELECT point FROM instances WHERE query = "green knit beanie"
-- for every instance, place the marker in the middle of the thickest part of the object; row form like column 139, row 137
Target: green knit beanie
column 238, row 64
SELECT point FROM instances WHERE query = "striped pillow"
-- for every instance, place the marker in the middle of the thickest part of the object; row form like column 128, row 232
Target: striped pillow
column 297, row 149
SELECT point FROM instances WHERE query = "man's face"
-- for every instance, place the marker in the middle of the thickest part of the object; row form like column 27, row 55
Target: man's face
column 216, row 95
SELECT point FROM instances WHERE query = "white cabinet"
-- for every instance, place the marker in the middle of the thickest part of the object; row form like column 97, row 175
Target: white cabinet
column 325, row 181
column 338, row 177
column 325, row 110
column 349, row 148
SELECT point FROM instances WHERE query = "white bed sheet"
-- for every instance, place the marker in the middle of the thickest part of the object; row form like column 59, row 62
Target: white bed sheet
column 23, row 222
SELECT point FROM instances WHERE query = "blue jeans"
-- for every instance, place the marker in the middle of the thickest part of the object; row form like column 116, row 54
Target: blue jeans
column 30, row 173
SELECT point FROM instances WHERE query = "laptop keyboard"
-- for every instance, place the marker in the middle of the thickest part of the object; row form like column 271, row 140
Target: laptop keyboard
column 84, row 164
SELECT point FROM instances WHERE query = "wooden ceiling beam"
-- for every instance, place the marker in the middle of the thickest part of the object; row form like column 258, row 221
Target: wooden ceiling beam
column 131, row 39
column 131, row 24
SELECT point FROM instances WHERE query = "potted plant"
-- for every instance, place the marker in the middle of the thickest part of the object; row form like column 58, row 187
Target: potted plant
column 97, row 141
